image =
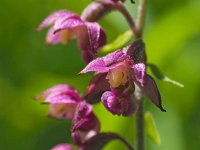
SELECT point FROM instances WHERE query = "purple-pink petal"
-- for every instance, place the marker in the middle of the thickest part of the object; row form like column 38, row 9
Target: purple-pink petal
column 61, row 93
column 53, row 17
column 85, row 123
column 84, row 117
column 109, row 99
column 103, row 64
column 62, row 147
column 70, row 97
column 139, row 73
column 68, row 23
column 97, row 36
column 55, row 88
column 53, row 38
column 97, row 65
column 63, row 100
column 96, row 88
column 115, row 57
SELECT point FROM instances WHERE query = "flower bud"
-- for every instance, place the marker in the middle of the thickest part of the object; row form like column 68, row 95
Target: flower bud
column 85, row 124
column 118, row 103
column 95, row 11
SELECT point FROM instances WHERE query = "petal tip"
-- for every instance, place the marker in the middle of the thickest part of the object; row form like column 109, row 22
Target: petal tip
column 162, row 109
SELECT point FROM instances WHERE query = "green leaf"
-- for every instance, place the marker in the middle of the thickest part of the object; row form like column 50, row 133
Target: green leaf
column 158, row 74
column 120, row 41
column 150, row 128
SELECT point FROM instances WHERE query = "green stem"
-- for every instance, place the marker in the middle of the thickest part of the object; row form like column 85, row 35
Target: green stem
column 141, row 17
column 119, row 6
column 140, row 112
column 140, row 126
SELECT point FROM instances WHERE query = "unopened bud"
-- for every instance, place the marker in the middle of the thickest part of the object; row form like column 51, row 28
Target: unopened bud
column 96, row 10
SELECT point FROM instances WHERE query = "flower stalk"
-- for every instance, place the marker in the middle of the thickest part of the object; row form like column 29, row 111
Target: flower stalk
column 141, row 17
column 140, row 112
column 128, row 18
column 140, row 126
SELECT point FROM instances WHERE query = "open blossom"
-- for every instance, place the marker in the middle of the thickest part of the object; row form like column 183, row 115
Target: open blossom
column 67, row 25
column 63, row 100
column 118, row 74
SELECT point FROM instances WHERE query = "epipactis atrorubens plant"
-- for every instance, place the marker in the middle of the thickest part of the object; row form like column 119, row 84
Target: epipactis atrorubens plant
column 119, row 78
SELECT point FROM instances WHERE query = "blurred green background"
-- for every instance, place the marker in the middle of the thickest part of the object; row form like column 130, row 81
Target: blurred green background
column 28, row 66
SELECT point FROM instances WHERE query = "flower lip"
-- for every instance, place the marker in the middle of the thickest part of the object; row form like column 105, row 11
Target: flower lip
column 119, row 75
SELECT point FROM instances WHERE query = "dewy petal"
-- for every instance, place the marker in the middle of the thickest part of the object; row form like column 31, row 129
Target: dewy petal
column 97, row 36
column 55, row 88
column 115, row 57
column 150, row 89
column 103, row 64
column 109, row 99
column 66, row 97
column 84, row 117
column 68, row 23
column 61, row 93
column 96, row 88
column 62, row 147
column 139, row 73
column 97, row 65
column 53, row 17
